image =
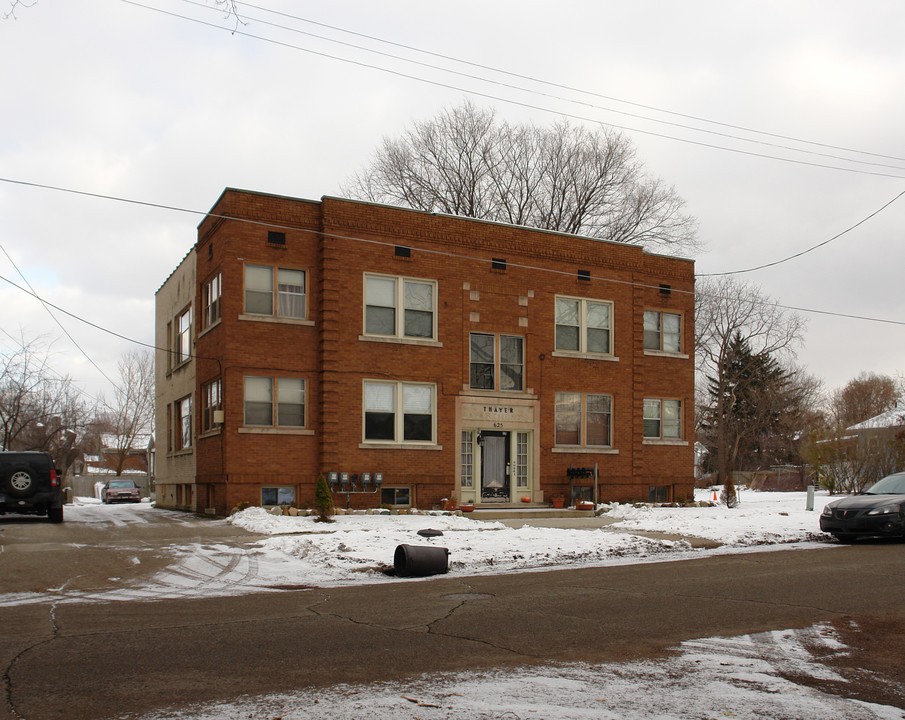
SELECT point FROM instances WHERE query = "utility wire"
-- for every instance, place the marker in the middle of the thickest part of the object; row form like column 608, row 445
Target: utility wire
column 810, row 249
column 555, row 84
column 56, row 320
column 530, row 106
column 458, row 256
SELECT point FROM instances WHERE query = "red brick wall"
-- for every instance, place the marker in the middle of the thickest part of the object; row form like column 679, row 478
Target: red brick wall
column 334, row 361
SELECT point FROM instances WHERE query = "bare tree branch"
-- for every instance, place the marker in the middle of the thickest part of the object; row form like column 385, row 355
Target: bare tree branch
column 564, row 178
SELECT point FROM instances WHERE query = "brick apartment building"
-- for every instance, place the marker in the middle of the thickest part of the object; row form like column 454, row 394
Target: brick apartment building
column 414, row 357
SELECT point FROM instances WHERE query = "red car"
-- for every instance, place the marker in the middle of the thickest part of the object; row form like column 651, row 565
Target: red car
column 120, row 491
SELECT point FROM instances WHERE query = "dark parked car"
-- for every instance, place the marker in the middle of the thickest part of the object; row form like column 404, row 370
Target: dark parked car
column 30, row 484
column 877, row 512
column 120, row 491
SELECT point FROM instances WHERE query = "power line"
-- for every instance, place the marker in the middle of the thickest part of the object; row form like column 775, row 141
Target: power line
column 558, row 97
column 458, row 256
column 56, row 320
column 530, row 106
column 554, row 84
column 810, row 249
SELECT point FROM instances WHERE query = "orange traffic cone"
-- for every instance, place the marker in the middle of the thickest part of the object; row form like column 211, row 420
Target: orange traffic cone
column 714, row 497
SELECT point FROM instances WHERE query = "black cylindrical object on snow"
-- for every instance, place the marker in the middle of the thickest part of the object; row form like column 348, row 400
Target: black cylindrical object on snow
column 417, row 560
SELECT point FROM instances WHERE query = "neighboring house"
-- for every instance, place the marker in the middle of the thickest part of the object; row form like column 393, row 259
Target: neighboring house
column 876, row 426
column 108, row 463
column 441, row 355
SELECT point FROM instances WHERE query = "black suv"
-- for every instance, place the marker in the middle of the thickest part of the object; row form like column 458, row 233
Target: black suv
column 30, row 484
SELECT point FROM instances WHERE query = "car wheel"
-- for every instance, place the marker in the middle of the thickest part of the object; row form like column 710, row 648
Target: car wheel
column 55, row 514
column 21, row 483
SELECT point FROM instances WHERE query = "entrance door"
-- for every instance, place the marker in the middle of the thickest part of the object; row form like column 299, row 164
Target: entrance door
column 495, row 466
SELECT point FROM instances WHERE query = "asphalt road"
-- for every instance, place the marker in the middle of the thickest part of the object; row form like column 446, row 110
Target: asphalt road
column 96, row 660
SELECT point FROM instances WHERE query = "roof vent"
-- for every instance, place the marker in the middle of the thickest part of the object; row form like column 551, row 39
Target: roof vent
column 584, row 275
column 497, row 264
column 403, row 252
column 276, row 238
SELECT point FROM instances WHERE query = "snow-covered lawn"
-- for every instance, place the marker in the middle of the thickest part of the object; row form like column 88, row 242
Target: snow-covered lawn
column 359, row 548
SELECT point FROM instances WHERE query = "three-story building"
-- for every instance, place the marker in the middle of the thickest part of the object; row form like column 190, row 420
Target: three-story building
column 413, row 357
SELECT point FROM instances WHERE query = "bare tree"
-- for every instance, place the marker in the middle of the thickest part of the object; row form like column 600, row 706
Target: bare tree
column 563, row 178
column 130, row 415
column 864, row 397
column 725, row 310
column 39, row 410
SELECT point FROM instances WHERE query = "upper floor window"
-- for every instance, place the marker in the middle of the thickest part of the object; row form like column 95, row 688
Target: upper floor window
column 583, row 419
column 400, row 307
column 278, row 292
column 497, row 362
column 584, row 326
column 662, row 331
column 662, row 419
column 276, row 402
column 399, row 411
column 183, row 344
column 211, row 301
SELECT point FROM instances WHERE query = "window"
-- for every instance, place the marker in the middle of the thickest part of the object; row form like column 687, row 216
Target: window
column 466, row 479
column 382, row 420
column 287, row 302
column 662, row 331
column 277, row 496
column 583, row 420
column 490, row 370
column 583, row 326
column 400, row 307
column 395, row 496
column 211, row 301
column 183, row 423
column 260, row 405
column 183, row 340
column 521, row 460
column 662, row 419
column 210, row 401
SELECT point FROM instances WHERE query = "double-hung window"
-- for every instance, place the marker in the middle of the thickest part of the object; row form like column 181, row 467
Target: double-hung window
column 277, row 292
column 583, row 420
column 496, row 362
column 662, row 419
column 274, row 402
column 211, row 300
column 662, row 331
column 400, row 307
column 210, row 401
column 183, row 344
column 183, row 439
column 399, row 412
column 584, row 326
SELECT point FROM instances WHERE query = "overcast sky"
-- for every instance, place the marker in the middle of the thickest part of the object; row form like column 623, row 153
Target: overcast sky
column 160, row 102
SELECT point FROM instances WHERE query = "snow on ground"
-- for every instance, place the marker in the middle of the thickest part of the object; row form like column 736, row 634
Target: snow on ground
column 744, row 677
column 359, row 548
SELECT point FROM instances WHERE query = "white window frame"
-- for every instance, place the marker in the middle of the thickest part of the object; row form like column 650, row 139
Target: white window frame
column 399, row 403
column 183, row 424
column 182, row 342
column 497, row 364
column 660, row 334
column 583, row 326
column 583, row 416
column 399, row 307
column 211, row 400
column 276, row 294
column 274, row 392
column 654, row 411
column 213, row 290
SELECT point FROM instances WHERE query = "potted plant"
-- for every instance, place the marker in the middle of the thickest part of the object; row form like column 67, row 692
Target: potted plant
column 559, row 501
column 584, row 505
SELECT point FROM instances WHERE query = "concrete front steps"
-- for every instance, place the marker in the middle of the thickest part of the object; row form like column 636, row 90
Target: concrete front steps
column 524, row 511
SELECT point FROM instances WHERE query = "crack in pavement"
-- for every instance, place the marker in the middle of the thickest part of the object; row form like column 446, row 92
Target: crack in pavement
column 7, row 674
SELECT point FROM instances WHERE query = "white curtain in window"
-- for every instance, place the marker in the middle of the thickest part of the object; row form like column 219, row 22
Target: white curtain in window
column 379, row 397
column 291, row 293
column 417, row 399
column 381, row 292
column 419, row 296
